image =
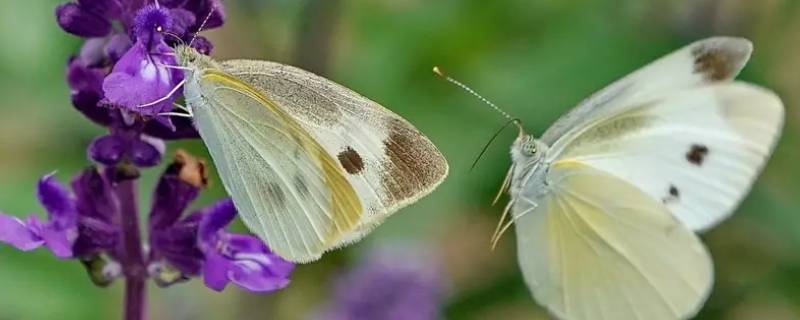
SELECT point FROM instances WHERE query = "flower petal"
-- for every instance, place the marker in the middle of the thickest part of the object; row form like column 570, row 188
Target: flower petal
column 14, row 231
column 59, row 240
column 182, row 20
column 256, row 277
column 144, row 154
column 215, row 271
column 95, row 236
column 76, row 20
column 140, row 79
column 202, row 45
column 108, row 149
column 116, row 47
column 91, row 53
column 256, row 267
column 95, row 199
column 172, row 196
column 178, row 246
column 87, row 90
column 109, row 9
column 172, row 3
column 58, row 202
column 215, row 219
column 183, row 129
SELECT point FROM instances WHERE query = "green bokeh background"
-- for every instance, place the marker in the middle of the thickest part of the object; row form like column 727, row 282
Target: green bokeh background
column 534, row 58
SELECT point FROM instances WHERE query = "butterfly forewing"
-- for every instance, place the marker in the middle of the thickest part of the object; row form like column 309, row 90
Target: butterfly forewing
column 388, row 162
column 287, row 188
column 706, row 61
column 596, row 247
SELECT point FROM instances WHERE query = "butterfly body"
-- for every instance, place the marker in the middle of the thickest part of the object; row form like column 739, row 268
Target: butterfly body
column 607, row 203
column 310, row 165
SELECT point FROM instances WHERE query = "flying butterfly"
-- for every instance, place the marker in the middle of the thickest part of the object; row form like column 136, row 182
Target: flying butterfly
column 311, row 165
column 606, row 204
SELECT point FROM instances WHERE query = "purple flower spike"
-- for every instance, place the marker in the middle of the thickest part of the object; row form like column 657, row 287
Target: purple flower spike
column 140, row 82
column 58, row 234
column 80, row 21
column 241, row 259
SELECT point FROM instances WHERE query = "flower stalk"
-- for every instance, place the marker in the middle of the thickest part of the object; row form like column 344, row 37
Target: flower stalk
column 133, row 265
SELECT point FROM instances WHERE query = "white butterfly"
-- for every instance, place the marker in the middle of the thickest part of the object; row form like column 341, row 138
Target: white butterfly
column 311, row 165
column 607, row 202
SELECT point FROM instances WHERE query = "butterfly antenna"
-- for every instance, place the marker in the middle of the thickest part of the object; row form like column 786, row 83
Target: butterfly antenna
column 440, row 73
column 486, row 146
column 203, row 24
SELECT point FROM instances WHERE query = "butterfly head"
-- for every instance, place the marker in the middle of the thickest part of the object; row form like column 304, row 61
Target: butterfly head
column 189, row 57
column 526, row 149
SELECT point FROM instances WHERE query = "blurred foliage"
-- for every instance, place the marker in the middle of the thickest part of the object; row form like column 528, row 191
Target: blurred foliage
column 534, row 58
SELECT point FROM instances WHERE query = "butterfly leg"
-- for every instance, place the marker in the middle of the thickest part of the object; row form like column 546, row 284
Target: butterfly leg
column 165, row 97
column 184, row 108
column 499, row 234
column 175, row 114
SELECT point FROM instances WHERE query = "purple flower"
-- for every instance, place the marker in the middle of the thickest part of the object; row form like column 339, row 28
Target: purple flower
column 126, row 143
column 198, row 243
column 87, row 18
column 78, row 225
column 241, row 259
column 392, row 283
column 131, row 58
column 58, row 233
column 141, row 81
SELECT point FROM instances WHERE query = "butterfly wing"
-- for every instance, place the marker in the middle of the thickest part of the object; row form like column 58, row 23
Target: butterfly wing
column 388, row 162
column 597, row 247
column 705, row 61
column 287, row 188
column 698, row 150
column 680, row 130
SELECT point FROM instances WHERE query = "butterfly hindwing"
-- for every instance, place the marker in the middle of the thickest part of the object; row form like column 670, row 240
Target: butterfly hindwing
column 287, row 188
column 596, row 247
column 389, row 163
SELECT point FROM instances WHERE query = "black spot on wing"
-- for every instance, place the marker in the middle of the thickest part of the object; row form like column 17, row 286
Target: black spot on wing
column 697, row 154
column 351, row 161
column 673, row 191
column 673, row 194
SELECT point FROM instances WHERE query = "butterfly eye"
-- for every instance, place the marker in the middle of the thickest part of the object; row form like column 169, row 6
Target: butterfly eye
column 529, row 147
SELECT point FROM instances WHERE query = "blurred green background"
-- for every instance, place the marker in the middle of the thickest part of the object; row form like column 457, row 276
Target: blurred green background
column 534, row 58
